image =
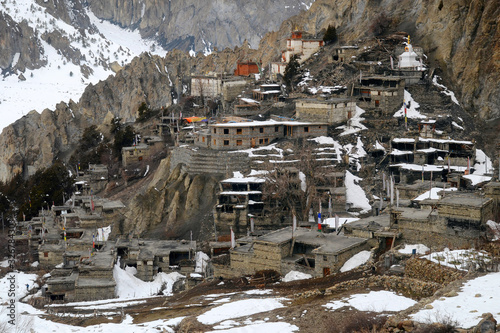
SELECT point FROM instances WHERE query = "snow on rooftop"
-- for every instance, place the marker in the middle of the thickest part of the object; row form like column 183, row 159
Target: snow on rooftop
column 433, row 193
column 461, row 142
column 323, row 140
column 253, row 123
column 375, row 301
column 477, row 179
column 249, row 100
column 397, row 152
column 427, row 167
column 411, row 112
column 356, row 261
column 251, row 151
column 403, row 140
column 128, row 286
column 477, row 296
column 239, row 178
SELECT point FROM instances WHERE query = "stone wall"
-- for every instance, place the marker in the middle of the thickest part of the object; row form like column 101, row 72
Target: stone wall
column 429, row 271
column 94, row 293
column 201, row 160
column 231, row 89
column 324, row 111
column 407, row 286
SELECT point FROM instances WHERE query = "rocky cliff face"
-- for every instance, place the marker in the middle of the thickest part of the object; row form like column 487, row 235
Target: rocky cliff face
column 20, row 45
column 199, row 25
column 36, row 140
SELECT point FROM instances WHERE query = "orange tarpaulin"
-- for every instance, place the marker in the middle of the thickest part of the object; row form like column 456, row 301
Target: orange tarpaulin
column 194, row 119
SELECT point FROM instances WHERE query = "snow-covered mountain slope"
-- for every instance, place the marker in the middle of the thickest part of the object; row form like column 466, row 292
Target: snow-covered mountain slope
column 51, row 50
column 62, row 75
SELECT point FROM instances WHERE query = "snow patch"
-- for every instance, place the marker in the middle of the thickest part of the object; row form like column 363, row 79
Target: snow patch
column 356, row 261
column 295, row 275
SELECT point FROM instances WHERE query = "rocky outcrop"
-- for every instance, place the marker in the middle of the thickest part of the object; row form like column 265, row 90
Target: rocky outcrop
column 21, row 47
column 172, row 205
column 36, row 140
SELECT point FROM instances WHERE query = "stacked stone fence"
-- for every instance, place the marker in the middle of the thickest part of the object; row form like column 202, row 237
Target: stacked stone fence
column 407, row 286
column 429, row 271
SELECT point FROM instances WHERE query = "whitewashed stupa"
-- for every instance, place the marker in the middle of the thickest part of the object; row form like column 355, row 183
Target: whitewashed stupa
column 409, row 59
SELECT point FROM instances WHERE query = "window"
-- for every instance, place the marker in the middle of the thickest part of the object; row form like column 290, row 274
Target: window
column 261, row 130
column 377, row 103
column 261, row 141
column 239, row 142
column 131, row 153
column 226, row 130
column 215, row 142
column 306, row 129
column 325, row 258
column 203, row 139
column 215, row 130
column 266, row 140
column 226, row 142
column 238, row 131
column 45, row 254
column 276, row 128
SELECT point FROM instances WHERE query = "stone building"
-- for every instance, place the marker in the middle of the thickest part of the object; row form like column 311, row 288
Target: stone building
column 303, row 47
column 330, row 111
column 239, row 199
column 304, row 250
column 150, row 257
column 248, row 134
column 142, row 151
column 247, row 107
column 206, row 85
column 455, row 220
column 245, row 68
column 277, row 68
column 232, row 88
column 426, row 158
column 84, row 276
column 345, row 53
column 266, row 92
column 216, row 85
column 380, row 93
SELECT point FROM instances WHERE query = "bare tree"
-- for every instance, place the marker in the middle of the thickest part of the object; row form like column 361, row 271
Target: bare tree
column 292, row 187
